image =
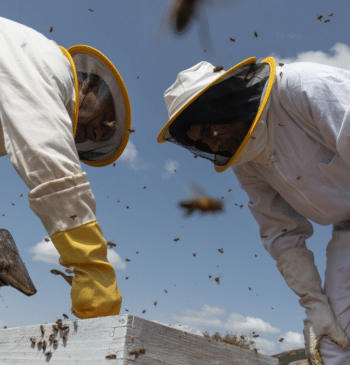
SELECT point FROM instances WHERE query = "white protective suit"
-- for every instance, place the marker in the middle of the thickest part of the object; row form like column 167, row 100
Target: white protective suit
column 36, row 112
column 37, row 95
column 303, row 173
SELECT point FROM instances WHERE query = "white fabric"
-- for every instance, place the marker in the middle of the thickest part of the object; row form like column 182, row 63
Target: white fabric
column 306, row 176
column 189, row 83
column 36, row 112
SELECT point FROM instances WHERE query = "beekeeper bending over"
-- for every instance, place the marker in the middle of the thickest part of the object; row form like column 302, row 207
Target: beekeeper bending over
column 285, row 131
column 57, row 107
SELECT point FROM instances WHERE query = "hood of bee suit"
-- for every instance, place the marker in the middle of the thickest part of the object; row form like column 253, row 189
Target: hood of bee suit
column 240, row 94
column 101, row 100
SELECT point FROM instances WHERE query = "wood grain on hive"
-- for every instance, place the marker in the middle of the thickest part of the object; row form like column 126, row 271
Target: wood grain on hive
column 120, row 338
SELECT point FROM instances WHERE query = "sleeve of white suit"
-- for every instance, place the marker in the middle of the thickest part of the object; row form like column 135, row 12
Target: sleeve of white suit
column 319, row 97
column 281, row 227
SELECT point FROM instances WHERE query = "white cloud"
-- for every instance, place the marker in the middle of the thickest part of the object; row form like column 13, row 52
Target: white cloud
column 338, row 57
column 248, row 324
column 46, row 252
column 130, row 156
column 217, row 319
column 170, row 167
column 292, row 340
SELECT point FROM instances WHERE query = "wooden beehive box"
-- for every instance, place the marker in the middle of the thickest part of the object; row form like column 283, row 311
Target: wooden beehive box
column 89, row 341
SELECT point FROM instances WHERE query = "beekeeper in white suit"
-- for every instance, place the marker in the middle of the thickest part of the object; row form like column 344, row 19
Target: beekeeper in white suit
column 57, row 107
column 285, row 131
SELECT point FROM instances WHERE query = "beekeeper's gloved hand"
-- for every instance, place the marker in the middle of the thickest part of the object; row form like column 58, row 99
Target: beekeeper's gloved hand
column 300, row 273
column 94, row 288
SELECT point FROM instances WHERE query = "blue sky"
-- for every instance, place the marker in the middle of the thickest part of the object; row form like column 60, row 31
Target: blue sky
column 124, row 32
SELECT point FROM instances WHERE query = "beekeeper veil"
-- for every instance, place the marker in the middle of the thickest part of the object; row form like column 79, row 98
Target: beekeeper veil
column 102, row 107
column 202, row 97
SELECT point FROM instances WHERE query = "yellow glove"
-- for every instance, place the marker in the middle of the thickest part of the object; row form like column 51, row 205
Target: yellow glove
column 94, row 288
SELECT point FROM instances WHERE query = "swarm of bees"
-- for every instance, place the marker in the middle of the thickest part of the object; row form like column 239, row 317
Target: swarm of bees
column 201, row 202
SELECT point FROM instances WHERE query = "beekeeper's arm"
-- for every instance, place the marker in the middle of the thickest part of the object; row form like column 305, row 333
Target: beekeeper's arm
column 283, row 232
column 36, row 88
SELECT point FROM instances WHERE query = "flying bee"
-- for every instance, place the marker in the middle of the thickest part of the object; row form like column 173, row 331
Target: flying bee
column 127, row 259
column 284, row 230
column 111, row 244
column 47, row 239
column 281, row 339
column 42, row 329
column 221, row 250
column 144, row 311
column 51, row 337
column 91, row 9
column 44, row 345
column 217, row 68
column 255, row 335
column 131, row 130
column 256, row 34
column 331, row 14
column 233, row 39
column 55, row 327
column 201, row 202
column 249, row 288
column 176, row 239
column 40, row 344
column 217, row 279
column 155, row 303
column 22, row 194
column 145, row 187
column 110, row 357
column 32, row 340
column 319, row 17
column 165, row 290
column 54, row 342
column 327, row 20
column 114, row 164
column 73, row 216
column 51, row 29
column 69, row 270
column 69, row 279
column 281, row 64
column 194, row 254
column 181, row 14
column 65, row 316
column 48, row 354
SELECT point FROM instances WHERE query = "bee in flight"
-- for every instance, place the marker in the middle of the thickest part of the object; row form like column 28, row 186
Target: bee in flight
column 180, row 15
column 200, row 202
